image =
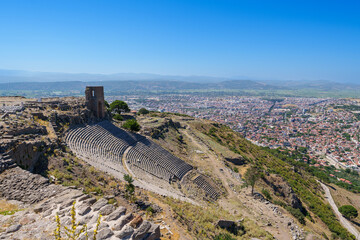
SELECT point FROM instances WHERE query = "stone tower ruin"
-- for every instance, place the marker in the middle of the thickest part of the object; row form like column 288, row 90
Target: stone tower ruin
column 94, row 100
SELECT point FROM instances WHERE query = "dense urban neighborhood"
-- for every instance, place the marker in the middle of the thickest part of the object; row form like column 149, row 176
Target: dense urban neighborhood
column 326, row 128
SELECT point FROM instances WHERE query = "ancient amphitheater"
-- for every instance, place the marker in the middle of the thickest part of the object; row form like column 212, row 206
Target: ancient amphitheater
column 120, row 152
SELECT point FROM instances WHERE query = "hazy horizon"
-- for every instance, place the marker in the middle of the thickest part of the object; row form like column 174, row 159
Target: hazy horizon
column 12, row 75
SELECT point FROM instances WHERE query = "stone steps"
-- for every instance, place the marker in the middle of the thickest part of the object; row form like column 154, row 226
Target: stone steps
column 206, row 186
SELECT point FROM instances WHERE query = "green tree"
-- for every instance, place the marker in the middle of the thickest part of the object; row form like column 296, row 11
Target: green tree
column 129, row 187
column 348, row 211
column 143, row 111
column 119, row 107
column 251, row 176
column 106, row 104
column 132, row 125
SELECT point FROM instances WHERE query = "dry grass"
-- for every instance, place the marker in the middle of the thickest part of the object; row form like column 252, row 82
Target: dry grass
column 7, row 207
column 51, row 132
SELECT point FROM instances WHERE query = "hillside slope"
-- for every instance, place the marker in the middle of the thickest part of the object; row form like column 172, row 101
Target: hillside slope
column 221, row 153
column 288, row 203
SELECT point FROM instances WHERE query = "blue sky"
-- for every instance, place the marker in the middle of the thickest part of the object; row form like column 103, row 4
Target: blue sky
column 285, row 40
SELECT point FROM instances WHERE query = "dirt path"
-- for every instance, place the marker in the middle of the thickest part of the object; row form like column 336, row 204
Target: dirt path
column 346, row 224
column 242, row 202
column 216, row 165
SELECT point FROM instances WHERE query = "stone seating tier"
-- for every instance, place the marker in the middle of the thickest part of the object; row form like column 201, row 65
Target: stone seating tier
column 202, row 183
column 105, row 142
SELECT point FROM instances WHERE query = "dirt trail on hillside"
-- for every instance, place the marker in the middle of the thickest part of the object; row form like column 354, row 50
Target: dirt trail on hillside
column 346, row 224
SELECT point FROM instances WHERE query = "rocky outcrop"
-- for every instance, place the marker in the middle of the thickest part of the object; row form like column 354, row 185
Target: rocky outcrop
column 281, row 187
column 27, row 153
column 234, row 227
column 160, row 128
column 18, row 184
column 41, row 201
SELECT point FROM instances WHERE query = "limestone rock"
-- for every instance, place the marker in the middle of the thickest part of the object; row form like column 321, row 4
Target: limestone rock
column 116, row 214
column 84, row 220
column 84, row 210
column 154, row 232
column 99, row 204
column 104, row 234
column 66, row 204
column 103, row 225
column 122, row 221
column 142, row 230
column 89, row 202
column 84, row 197
column 13, row 228
column 107, row 209
column 125, row 232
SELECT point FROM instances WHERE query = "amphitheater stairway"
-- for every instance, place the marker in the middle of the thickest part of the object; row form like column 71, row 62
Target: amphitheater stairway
column 202, row 182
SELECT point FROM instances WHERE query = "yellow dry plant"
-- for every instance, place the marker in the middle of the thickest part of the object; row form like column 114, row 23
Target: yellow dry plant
column 72, row 232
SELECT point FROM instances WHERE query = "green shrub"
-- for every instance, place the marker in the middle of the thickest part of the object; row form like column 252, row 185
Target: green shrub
column 348, row 211
column 132, row 125
column 129, row 187
column 266, row 194
column 11, row 212
column 150, row 211
column 118, row 117
column 297, row 214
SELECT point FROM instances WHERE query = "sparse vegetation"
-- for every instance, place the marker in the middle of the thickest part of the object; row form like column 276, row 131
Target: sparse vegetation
column 132, row 125
column 129, row 188
column 304, row 185
column 202, row 221
column 266, row 194
column 224, row 236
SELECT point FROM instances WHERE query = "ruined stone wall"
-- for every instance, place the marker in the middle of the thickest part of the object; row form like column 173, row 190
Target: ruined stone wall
column 95, row 102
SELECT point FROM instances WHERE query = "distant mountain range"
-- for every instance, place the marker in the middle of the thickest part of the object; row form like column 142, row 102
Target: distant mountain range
column 10, row 76
column 7, row 76
column 15, row 81
column 140, row 85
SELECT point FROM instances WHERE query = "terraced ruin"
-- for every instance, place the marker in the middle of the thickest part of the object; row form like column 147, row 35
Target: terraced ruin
column 43, row 201
column 120, row 152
